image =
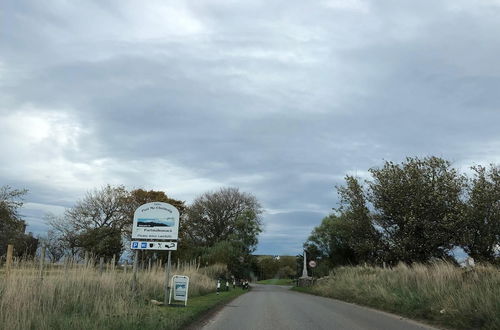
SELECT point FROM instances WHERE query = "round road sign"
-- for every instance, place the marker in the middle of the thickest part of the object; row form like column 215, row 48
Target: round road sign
column 312, row 263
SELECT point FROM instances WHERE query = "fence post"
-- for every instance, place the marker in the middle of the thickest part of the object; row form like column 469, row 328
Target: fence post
column 8, row 261
column 42, row 260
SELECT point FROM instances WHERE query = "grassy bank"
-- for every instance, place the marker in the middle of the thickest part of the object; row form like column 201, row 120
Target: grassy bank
column 439, row 293
column 277, row 281
column 79, row 297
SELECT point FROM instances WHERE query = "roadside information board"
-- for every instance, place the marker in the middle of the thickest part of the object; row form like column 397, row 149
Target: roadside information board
column 165, row 246
column 180, row 288
column 156, row 220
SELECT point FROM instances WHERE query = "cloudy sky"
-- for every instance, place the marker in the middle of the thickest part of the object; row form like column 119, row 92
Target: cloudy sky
column 279, row 98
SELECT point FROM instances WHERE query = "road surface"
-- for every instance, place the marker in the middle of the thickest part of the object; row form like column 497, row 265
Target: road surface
column 276, row 307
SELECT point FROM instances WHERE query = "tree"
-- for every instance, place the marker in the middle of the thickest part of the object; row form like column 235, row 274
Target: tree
column 330, row 241
column 363, row 238
column 54, row 246
column 102, row 241
column 65, row 236
column 226, row 215
column 101, row 213
column 481, row 234
column 100, row 208
column 12, row 226
column 418, row 208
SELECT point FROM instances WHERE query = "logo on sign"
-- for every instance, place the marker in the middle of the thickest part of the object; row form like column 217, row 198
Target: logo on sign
column 144, row 245
column 135, row 245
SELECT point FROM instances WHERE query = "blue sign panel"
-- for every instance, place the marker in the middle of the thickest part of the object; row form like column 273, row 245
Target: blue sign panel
column 135, row 245
column 144, row 245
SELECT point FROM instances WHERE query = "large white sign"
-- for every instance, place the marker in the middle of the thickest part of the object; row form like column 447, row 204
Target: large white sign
column 156, row 221
column 180, row 288
column 165, row 246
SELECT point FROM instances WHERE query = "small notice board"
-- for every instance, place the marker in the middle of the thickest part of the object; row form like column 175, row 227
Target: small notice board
column 180, row 289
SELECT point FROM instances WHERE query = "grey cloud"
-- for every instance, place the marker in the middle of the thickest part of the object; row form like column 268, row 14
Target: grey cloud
column 279, row 99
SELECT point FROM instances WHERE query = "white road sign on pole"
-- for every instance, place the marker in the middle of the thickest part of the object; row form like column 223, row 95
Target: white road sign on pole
column 156, row 220
column 164, row 246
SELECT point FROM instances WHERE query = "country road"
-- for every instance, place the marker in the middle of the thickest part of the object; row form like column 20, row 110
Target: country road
column 277, row 307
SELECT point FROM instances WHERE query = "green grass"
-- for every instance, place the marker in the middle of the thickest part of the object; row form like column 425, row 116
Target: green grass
column 147, row 316
column 439, row 293
column 277, row 281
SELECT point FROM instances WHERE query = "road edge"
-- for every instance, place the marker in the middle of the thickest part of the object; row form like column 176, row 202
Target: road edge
column 422, row 322
column 204, row 317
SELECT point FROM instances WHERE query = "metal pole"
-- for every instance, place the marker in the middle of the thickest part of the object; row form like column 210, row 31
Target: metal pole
column 134, row 276
column 167, row 276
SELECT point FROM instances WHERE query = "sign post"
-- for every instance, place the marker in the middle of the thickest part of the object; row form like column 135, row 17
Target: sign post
column 312, row 264
column 167, row 275
column 155, row 227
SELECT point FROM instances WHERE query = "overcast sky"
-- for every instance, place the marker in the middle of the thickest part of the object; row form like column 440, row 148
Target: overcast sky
column 278, row 98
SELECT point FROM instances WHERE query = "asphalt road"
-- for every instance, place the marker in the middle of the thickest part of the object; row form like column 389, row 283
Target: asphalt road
column 276, row 307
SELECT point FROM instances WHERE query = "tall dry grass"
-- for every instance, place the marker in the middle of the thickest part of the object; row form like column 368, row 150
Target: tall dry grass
column 439, row 292
column 80, row 297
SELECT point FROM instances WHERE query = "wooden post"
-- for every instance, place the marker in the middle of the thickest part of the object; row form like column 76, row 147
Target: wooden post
column 86, row 259
column 167, row 276
column 113, row 262
column 125, row 266
column 8, row 262
column 42, row 260
column 149, row 265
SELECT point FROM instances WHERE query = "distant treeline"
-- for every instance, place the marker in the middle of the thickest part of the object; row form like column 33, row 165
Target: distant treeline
column 411, row 212
column 218, row 227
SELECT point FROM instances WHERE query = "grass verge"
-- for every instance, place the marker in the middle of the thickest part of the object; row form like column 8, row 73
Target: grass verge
column 81, row 297
column 277, row 281
column 440, row 293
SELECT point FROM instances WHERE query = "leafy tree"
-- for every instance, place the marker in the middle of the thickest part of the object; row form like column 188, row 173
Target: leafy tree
column 417, row 208
column 330, row 241
column 102, row 241
column 362, row 236
column 268, row 267
column 482, row 217
column 12, row 226
column 226, row 215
